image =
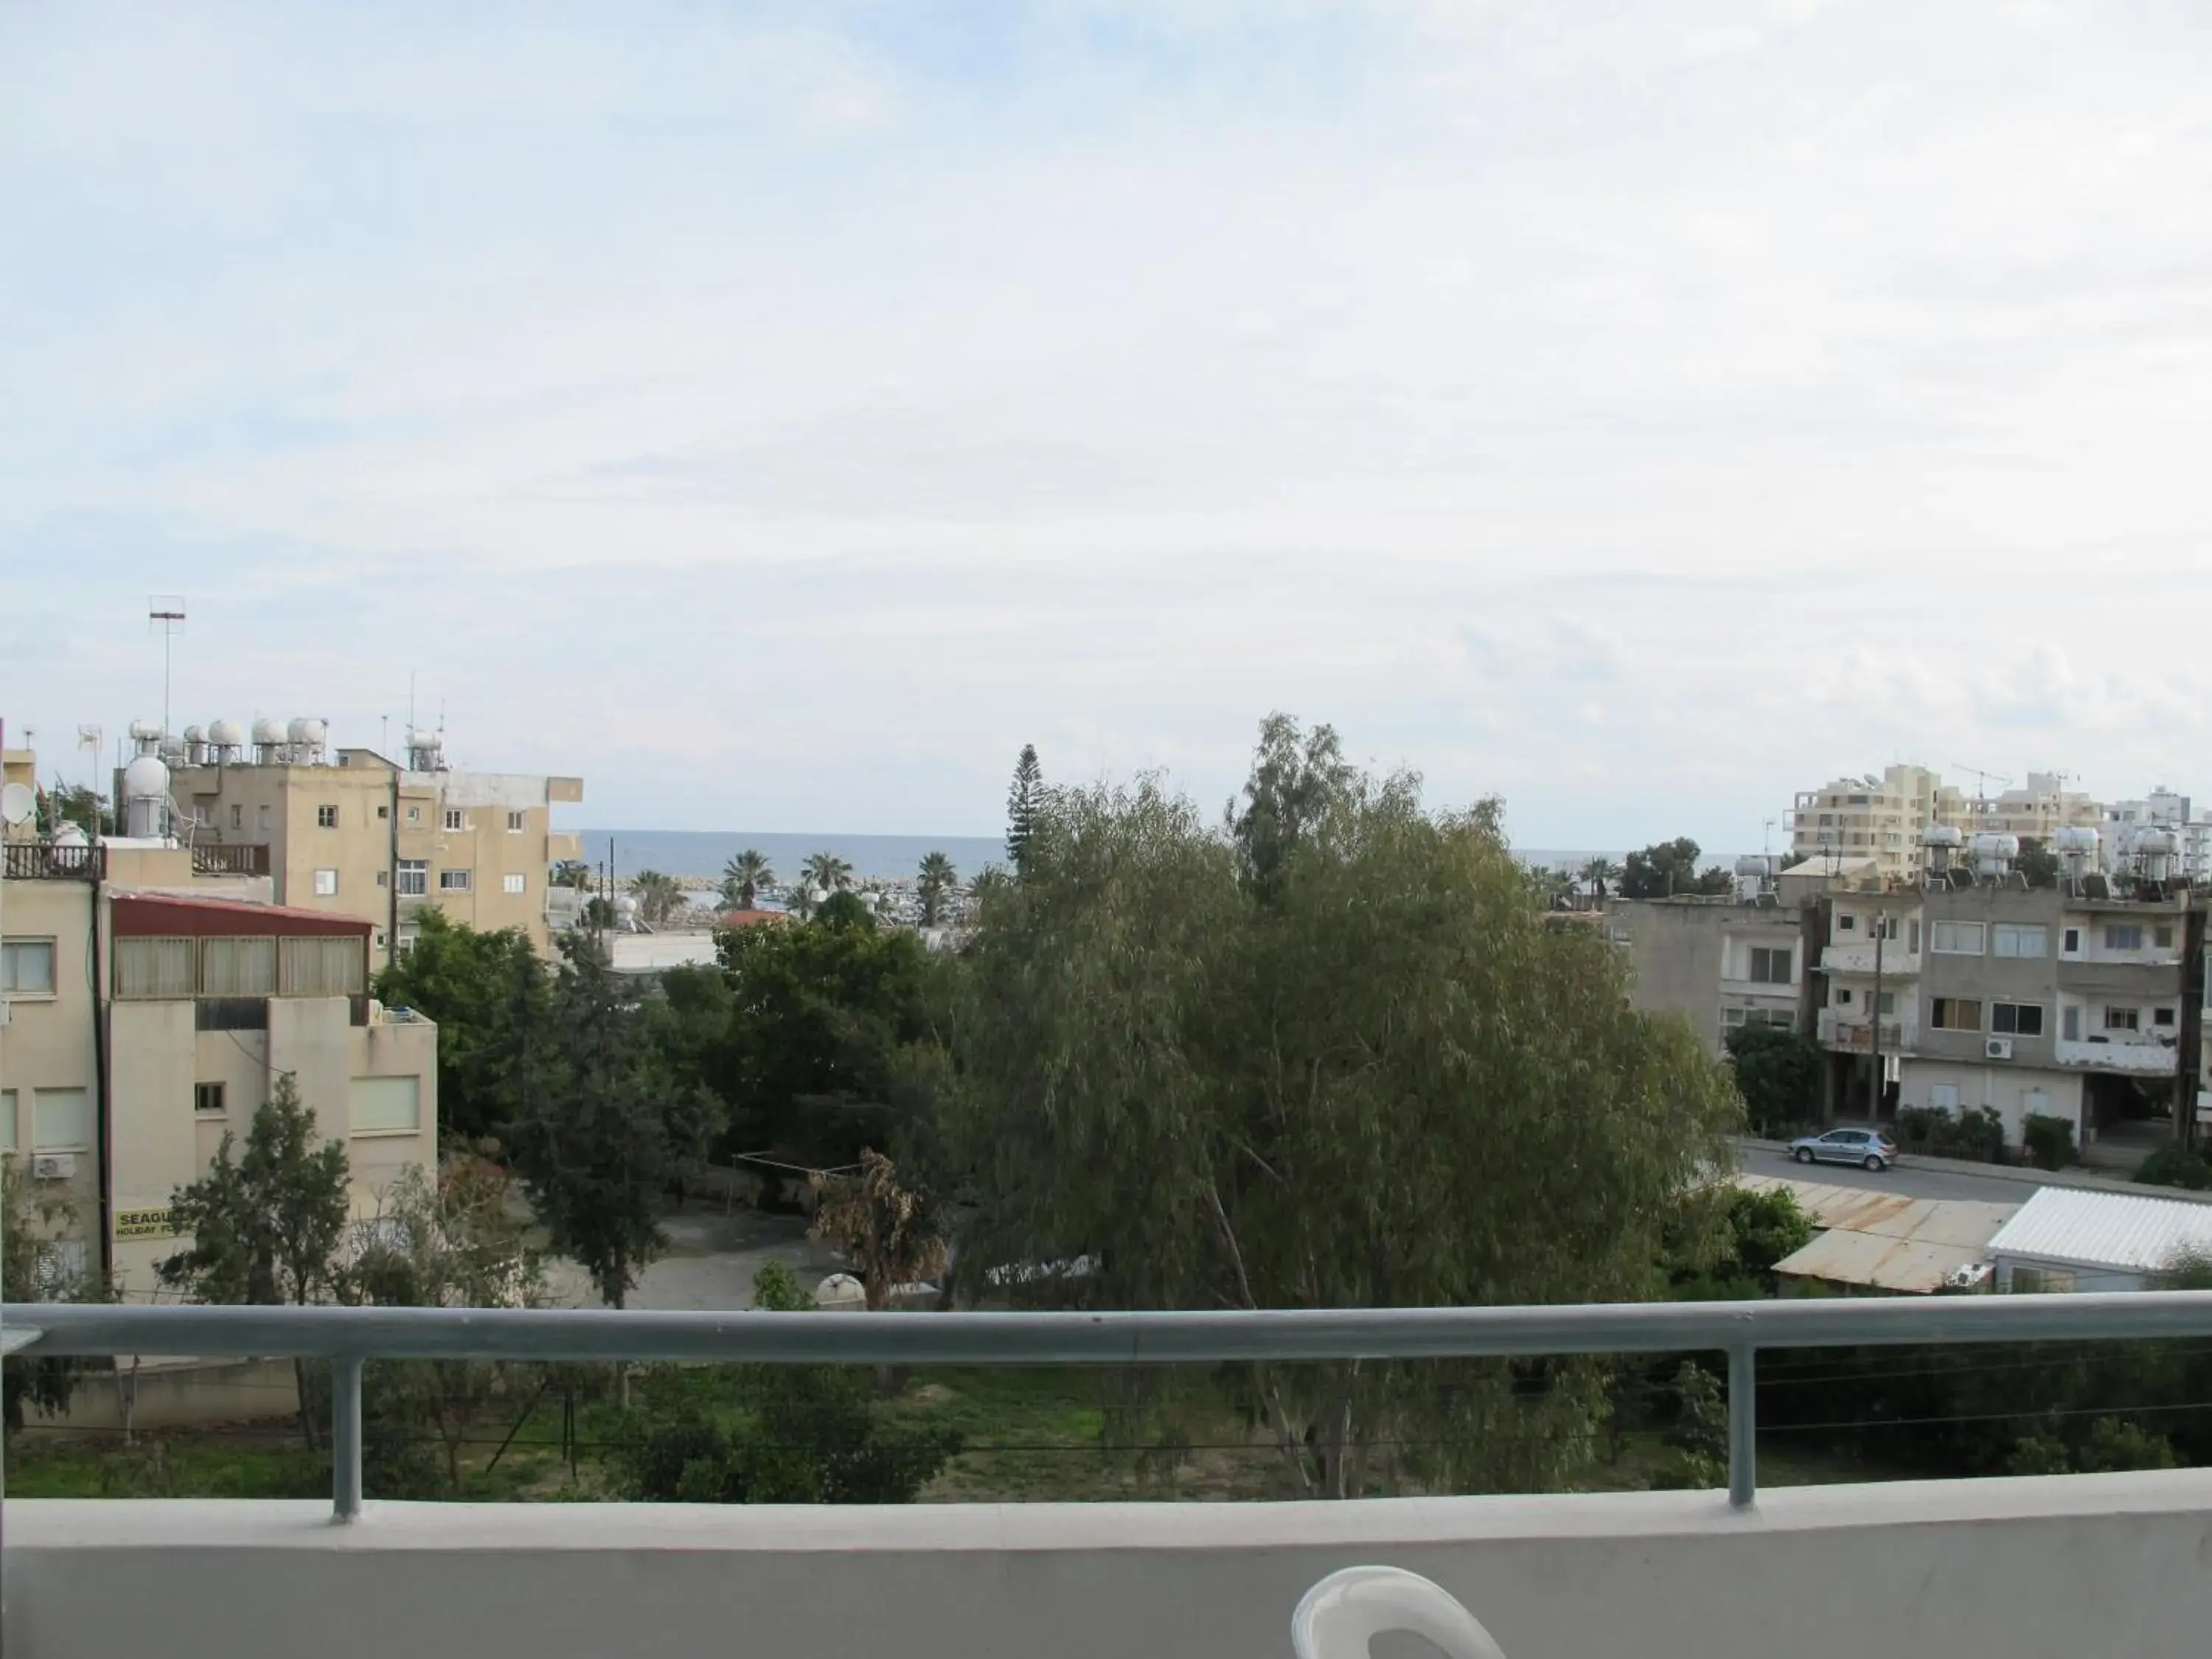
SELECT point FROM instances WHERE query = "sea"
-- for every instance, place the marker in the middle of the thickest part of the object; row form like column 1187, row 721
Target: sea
column 873, row 857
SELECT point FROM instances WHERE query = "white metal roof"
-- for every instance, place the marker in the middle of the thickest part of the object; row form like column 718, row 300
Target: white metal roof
column 2086, row 1229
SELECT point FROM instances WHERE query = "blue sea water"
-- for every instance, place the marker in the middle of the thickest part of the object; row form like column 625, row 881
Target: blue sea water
column 704, row 851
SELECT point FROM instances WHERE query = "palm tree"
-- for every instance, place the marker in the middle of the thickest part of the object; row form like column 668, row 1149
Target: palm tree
column 828, row 871
column 570, row 872
column 1600, row 874
column 658, row 897
column 939, row 878
column 742, row 877
column 1558, row 886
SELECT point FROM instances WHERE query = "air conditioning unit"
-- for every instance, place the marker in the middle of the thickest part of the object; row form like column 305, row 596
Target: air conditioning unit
column 1997, row 1048
column 53, row 1166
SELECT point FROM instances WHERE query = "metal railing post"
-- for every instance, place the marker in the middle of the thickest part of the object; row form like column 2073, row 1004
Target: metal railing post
column 345, row 1436
column 1743, row 1425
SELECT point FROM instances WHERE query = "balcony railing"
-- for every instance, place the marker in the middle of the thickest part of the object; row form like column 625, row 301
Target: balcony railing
column 215, row 858
column 349, row 1336
column 40, row 860
column 2137, row 1054
column 1857, row 1036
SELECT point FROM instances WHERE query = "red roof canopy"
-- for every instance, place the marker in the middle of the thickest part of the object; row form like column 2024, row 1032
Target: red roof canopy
column 142, row 915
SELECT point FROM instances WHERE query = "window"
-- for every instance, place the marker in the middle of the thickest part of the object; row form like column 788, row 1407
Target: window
column 2069, row 1022
column 207, row 1097
column 2124, row 936
column 26, row 967
column 414, row 815
column 1943, row 1097
column 1913, row 945
column 326, row 882
column 1842, row 996
column 2162, row 938
column 384, row 811
column 1846, row 922
column 452, row 881
column 327, row 965
column 7, row 1120
column 244, row 967
column 513, row 884
column 1956, row 939
column 264, row 816
column 2010, row 939
column 414, row 878
column 326, row 818
column 1885, row 927
column 1956, row 1014
column 2017, row 1018
column 2072, row 942
column 237, row 817
column 1769, row 967
column 2162, row 1015
column 385, row 1105
column 2042, row 1281
column 1732, row 1016
column 1889, row 1002
column 454, row 820
column 383, row 878
column 61, row 1120
column 2122, row 1019
column 156, row 970
column 514, row 823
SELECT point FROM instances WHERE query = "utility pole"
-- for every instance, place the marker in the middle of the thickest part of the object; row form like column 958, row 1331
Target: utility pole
column 167, row 612
column 1874, row 1024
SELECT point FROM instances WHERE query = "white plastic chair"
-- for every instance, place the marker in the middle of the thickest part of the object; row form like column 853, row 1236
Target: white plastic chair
column 1340, row 1615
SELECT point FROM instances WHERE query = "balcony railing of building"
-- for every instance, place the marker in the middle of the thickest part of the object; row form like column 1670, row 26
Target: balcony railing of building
column 241, row 859
column 1897, row 961
column 41, row 860
column 2137, row 1054
column 347, row 1337
column 1857, row 1036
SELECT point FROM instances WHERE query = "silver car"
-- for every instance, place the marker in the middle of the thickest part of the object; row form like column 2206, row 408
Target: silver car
column 1868, row 1148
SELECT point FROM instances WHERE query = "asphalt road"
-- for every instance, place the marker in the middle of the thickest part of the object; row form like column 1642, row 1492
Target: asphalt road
column 1901, row 1177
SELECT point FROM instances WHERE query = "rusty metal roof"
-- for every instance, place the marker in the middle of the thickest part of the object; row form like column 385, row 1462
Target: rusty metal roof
column 1883, row 1241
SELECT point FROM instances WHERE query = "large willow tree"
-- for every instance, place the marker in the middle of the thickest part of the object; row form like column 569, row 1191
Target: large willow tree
column 1326, row 1054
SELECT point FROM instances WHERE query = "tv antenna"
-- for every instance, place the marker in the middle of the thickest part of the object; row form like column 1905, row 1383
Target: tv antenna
column 1982, row 784
column 167, row 612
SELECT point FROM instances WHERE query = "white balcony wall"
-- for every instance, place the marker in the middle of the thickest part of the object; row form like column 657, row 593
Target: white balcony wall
column 2138, row 1054
column 1952, row 1570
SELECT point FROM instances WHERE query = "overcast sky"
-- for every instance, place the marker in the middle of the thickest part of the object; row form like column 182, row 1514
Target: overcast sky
column 778, row 415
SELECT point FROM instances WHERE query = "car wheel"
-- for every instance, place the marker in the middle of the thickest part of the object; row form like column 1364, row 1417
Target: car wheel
column 1874, row 1162
column 1803, row 1155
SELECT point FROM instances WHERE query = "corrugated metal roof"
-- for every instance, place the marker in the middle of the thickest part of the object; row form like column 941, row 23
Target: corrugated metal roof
column 1878, row 1262
column 2086, row 1229
column 1883, row 1240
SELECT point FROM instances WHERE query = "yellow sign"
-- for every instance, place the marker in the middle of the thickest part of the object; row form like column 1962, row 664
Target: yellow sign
column 144, row 1223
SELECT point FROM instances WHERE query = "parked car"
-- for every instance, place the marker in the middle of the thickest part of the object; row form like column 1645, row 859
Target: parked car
column 1868, row 1148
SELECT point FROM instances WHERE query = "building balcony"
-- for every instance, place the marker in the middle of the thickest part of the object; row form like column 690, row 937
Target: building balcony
column 2137, row 1053
column 1973, row 1570
column 235, row 858
column 1838, row 1031
column 45, row 860
column 1897, row 961
column 2145, row 975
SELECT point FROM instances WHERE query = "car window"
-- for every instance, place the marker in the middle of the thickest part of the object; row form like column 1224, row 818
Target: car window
column 1832, row 1135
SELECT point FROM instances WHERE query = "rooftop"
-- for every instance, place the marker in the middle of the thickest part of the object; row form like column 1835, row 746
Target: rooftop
column 2085, row 1229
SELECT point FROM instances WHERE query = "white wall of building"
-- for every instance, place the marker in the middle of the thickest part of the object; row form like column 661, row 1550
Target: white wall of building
column 2012, row 1091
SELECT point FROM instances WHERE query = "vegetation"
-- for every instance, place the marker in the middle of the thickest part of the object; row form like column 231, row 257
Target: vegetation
column 1024, row 799
column 1315, row 1062
column 1600, row 876
column 73, row 803
column 1670, row 869
column 884, row 1229
column 489, row 993
column 2176, row 1166
column 658, row 896
column 34, row 1267
column 2049, row 1140
column 1777, row 1072
column 1976, row 1133
column 570, row 872
column 826, row 873
column 938, row 879
column 742, row 877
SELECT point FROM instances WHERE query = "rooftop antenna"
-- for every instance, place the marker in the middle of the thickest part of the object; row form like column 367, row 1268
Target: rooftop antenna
column 1981, row 787
column 167, row 612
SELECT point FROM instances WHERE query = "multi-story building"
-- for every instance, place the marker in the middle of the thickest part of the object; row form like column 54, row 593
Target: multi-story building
column 152, row 994
column 357, row 834
column 1721, row 964
column 1883, row 818
column 2040, row 808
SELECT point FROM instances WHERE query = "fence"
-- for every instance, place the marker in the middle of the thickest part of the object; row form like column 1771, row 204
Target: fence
column 41, row 860
column 348, row 1336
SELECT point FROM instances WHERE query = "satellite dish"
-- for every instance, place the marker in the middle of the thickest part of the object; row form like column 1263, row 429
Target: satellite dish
column 17, row 803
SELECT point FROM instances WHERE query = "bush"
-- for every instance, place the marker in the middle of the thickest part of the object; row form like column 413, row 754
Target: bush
column 1977, row 1133
column 2049, row 1141
column 2175, row 1166
column 1777, row 1072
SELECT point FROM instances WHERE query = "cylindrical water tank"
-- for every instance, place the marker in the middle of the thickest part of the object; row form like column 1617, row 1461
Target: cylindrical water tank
column 2075, row 838
column 227, row 734
column 268, row 732
column 146, row 797
column 1994, row 844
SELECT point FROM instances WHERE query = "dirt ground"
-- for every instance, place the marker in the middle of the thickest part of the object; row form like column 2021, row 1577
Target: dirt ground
column 711, row 1262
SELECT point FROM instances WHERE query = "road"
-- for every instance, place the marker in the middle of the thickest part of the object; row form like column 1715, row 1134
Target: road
column 1903, row 1178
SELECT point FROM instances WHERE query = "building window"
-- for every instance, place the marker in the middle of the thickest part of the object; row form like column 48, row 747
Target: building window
column 1956, row 939
column 1769, row 967
column 326, row 818
column 2162, row 1015
column 2071, row 942
column 61, row 1120
column 2069, row 1022
column 27, row 968
column 2017, row 1018
column 452, row 881
column 454, row 820
column 264, row 816
column 237, row 817
column 1842, row 996
column 1913, row 943
column 1846, row 922
column 414, row 878
column 2011, row 939
column 2122, row 1019
column 414, row 815
column 8, row 1142
column 244, row 966
column 384, row 811
column 1888, row 1002
column 1955, row 1013
column 2162, row 938
column 515, row 883
column 207, row 1097
column 383, row 878
column 156, row 970
column 1943, row 1097
column 385, row 1105
column 324, row 965
column 514, row 822
column 2124, row 936
column 1731, row 1016
column 326, row 883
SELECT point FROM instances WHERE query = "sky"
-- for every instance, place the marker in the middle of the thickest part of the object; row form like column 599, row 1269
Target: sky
column 778, row 414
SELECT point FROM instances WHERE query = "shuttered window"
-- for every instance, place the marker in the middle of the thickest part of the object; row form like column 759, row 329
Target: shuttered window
column 238, row 967
column 320, row 967
column 155, row 969
column 61, row 1120
column 384, row 1104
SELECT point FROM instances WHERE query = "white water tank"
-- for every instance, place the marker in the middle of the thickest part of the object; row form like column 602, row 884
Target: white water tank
column 268, row 731
column 145, row 736
column 146, row 797
column 2153, row 851
column 2076, row 845
column 226, row 738
column 1993, row 852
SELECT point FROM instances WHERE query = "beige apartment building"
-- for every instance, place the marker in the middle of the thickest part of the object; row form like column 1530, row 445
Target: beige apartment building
column 357, row 834
column 149, row 1007
column 1882, row 819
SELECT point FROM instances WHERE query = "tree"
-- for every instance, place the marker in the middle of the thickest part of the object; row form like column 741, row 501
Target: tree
column 1777, row 1072
column 602, row 1129
column 266, row 1225
column 489, row 992
column 1670, row 869
column 570, row 872
column 35, row 1267
column 1599, row 875
column 658, row 896
column 2038, row 864
column 938, row 879
column 827, row 872
column 1298, row 786
column 1024, row 801
column 742, row 877
column 884, row 1230
column 1347, row 1065
column 73, row 803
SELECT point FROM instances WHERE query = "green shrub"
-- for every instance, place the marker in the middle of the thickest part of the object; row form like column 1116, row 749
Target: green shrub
column 1977, row 1133
column 2049, row 1140
column 2175, row 1166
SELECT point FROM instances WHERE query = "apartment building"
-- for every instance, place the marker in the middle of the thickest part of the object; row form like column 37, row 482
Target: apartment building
column 149, row 1007
column 1883, row 818
column 355, row 833
column 1719, row 964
